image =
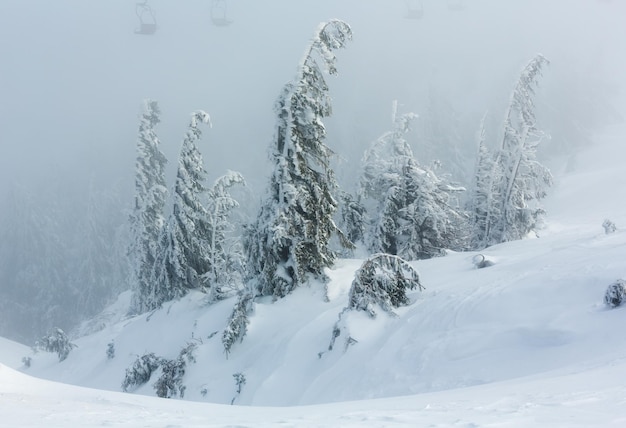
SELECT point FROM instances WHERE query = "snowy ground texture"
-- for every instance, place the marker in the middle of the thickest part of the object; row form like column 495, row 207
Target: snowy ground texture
column 526, row 342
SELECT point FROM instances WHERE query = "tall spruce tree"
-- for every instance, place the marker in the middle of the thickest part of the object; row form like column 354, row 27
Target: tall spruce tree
column 147, row 219
column 290, row 238
column 415, row 218
column 517, row 179
column 183, row 255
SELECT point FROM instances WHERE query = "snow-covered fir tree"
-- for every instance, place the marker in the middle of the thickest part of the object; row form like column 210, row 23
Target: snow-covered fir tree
column 481, row 198
column 238, row 322
column 415, row 217
column 353, row 218
column 518, row 180
column 147, row 219
column 226, row 257
column 290, row 238
column 183, row 256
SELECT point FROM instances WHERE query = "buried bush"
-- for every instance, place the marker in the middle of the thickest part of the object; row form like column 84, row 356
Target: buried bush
column 615, row 294
column 609, row 227
column 141, row 370
column 383, row 280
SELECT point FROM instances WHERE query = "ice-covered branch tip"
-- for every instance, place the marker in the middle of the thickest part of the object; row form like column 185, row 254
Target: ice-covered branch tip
column 520, row 119
column 202, row 117
column 402, row 124
column 329, row 36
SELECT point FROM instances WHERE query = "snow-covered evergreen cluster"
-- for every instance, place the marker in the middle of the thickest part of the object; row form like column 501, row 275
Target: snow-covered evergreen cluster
column 413, row 214
column 402, row 210
column 57, row 342
column 192, row 248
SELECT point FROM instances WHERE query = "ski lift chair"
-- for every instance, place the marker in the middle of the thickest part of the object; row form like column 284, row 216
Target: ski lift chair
column 219, row 18
column 456, row 5
column 147, row 19
column 415, row 10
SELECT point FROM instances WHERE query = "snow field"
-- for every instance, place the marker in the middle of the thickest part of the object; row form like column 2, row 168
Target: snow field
column 526, row 342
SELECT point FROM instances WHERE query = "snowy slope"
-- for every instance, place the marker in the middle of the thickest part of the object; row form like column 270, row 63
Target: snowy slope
column 11, row 353
column 588, row 397
column 538, row 309
column 527, row 342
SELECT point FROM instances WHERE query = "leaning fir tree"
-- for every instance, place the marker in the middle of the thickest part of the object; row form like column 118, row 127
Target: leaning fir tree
column 481, row 198
column 517, row 179
column 147, row 218
column 290, row 238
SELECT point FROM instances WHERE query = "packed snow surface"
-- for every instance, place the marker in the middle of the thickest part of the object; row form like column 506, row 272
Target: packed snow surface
column 525, row 342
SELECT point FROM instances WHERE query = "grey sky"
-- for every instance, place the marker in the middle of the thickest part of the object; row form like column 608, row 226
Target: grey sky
column 73, row 73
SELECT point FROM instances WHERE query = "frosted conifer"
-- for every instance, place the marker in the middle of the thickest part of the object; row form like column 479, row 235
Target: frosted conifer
column 147, row 219
column 184, row 256
column 290, row 238
column 518, row 180
column 415, row 220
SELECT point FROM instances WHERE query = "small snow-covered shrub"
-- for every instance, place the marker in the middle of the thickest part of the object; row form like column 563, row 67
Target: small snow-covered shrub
column 141, row 370
column 170, row 383
column 609, row 226
column 110, row 351
column 240, row 381
column 27, row 361
column 382, row 280
column 615, row 294
column 238, row 322
column 58, row 342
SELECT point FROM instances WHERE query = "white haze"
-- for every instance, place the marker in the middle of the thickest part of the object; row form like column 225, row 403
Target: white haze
column 73, row 75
